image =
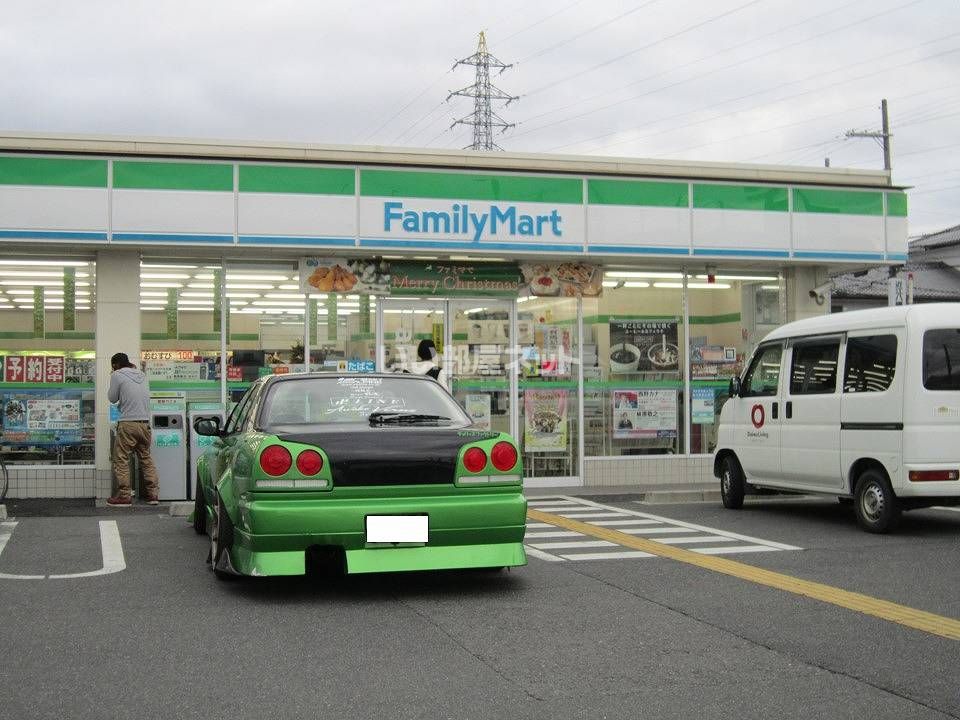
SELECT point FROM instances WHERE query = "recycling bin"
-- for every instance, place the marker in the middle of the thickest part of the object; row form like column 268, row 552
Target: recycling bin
column 199, row 444
column 169, row 452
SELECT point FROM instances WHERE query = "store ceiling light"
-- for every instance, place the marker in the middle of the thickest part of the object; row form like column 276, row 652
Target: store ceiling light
column 31, row 273
column 277, row 303
column 152, row 293
column 288, row 287
column 193, row 294
column 208, row 303
column 163, row 276
column 21, row 283
column 770, row 287
column 161, row 285
column 468, row 258
column 242, row 295
column 243, row 276
column 755, row 278
column 46, row 263
column 200, row 286
column 245, row 286
column 285, row 296
column 641, row 274
column 165, row 266
column 693, row 285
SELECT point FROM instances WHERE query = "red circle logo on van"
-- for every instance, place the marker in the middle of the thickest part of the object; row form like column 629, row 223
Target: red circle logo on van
column 757, row 416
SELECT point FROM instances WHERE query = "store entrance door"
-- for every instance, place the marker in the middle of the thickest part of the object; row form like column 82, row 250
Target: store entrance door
column 480, row 361
column 407, row 322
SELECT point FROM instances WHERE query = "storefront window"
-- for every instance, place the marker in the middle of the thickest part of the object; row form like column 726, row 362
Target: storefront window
column 729, row 313
column 549, row 406
column 47, row 331
column 633, row 365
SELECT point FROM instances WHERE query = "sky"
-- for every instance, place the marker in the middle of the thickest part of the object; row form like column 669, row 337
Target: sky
column 753, row 81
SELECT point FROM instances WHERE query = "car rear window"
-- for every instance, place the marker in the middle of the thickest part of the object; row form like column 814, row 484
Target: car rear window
column 323, row 401
column 941, row 359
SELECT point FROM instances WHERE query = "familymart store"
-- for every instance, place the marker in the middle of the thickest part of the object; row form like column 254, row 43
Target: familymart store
column 596, row 308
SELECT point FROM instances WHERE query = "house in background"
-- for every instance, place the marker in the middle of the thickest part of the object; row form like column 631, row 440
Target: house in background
column 934, row 261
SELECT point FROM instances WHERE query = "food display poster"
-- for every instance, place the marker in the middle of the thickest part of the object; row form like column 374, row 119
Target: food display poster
column 375, row 276
column 570, row 279
column 644, row 345
column 703, row 409
column 644, row 414
column 545, row 421
column 554, row 343
column 42, row 418
column 478, row 408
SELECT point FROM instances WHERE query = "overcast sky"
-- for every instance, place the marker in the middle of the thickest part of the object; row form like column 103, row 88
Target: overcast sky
column 761, row 81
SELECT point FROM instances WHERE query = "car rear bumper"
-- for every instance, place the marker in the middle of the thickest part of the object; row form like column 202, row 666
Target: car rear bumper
column 466, row 530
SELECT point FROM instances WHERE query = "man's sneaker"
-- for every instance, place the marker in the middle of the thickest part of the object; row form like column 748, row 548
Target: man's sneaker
column 119, row 501
column 154, row 500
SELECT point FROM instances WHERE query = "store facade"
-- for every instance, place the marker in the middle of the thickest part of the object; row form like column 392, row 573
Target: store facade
column 594, row 307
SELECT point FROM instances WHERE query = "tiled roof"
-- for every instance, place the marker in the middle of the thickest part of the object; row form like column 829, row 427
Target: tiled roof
column 932, row 281
column 950, row 236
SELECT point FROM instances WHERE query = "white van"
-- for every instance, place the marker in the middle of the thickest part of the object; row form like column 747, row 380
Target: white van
column 862, row 405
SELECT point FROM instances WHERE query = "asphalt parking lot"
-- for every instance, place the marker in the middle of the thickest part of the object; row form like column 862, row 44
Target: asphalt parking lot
column 137, row 626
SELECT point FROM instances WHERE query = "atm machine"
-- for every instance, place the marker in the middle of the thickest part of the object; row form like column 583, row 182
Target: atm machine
column 199, row 444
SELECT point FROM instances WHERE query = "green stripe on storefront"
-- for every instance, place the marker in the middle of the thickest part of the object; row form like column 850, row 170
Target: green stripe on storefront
column 638, row 193
column 53, row 171
column 234, row 337
column 740, row 197
column 17, row 335
column 129, row 175
column 297, row 180
column 457, row 186
column 897, row 204
column 68, row 335
column 837, row 202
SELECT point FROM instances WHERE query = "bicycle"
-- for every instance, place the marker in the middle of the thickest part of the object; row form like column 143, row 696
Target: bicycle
column 4, row 479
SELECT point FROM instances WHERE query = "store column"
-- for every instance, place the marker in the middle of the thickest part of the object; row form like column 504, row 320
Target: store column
column 800, row 281
column 117, row 330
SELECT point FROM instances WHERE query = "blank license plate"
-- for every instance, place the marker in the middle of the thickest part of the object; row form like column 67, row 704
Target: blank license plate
column 397, row 528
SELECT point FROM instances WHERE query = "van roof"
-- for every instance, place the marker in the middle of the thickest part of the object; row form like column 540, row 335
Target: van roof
column 860, row 319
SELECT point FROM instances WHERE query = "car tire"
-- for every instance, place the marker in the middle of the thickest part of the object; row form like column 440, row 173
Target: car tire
column 199, row 511
column 732, row 485
column 876, row 506
column 221, row 539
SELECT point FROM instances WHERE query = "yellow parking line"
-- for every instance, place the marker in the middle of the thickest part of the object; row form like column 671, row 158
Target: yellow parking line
column 900, row 614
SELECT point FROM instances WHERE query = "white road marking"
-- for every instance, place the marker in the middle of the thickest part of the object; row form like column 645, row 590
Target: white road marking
column 111, row 550
column 709, row 541
column 574, row 544
column 542, row 555
column 608, row 555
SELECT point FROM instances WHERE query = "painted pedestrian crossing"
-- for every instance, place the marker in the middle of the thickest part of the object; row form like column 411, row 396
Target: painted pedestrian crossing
column 552, row 544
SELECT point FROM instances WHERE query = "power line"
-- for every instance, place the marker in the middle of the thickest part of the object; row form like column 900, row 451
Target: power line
column 541, row 21
column 725, row 67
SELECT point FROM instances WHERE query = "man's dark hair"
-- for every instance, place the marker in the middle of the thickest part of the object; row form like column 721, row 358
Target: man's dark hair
column 426, row 350
column 120, row 360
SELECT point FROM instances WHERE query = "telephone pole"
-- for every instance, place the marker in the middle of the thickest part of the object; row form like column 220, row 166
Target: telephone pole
column 882, row 137
column 483, row 118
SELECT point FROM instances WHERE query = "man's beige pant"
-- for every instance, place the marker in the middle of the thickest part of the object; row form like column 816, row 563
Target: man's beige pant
column 133, row 436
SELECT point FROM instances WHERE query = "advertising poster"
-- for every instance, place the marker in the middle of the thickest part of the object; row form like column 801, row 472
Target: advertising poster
column 555, row 355
column 570, row 279
column 340, row 275
column 644, row 414
column 545, row 420
column 702, row 412
column 478, row 408
column 644, row 346
column 42, row 418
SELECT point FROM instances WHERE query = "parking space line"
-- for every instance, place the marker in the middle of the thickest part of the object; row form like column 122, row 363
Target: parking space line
column 541, row 554
column 885, row 610
column 622, row 555
column 549, row 534
column 569, row 544
column 111, row 551
column 592, row 515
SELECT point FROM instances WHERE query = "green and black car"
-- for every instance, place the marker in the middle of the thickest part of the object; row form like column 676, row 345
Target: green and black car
column 386, row 471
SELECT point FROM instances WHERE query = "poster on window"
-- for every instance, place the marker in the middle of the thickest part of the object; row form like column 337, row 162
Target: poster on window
column 702, row 411
column 555, row 356
column 545, row 420
column 41, row 418
column 644, row 345
column 478, row 408
column 644, row 414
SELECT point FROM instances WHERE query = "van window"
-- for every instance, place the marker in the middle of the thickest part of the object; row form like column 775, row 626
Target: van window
column 871, row 363
column 941, row 359
column 763, row 376
column 814, row 368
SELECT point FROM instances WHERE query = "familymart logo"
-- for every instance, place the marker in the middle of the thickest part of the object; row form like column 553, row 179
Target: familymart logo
column 462, row 220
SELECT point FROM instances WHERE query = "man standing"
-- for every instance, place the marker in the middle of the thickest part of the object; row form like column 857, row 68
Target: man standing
column 129, row 388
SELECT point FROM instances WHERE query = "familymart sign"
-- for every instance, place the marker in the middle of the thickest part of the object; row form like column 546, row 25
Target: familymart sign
column 462, row 220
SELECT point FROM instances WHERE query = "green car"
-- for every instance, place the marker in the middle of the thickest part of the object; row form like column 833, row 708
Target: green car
column 385, row 471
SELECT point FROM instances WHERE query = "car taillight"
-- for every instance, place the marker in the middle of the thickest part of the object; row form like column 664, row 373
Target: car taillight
column 934, row 475
column 275, row 460
column 309, row 462
column 474, row 460
column 503, row 456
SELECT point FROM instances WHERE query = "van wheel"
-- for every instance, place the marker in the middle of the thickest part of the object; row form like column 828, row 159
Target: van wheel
column 877, row 508
column 732, row 485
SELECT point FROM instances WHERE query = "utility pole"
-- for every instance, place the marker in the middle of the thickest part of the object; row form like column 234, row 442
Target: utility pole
column 882, row 137
column 483, row 119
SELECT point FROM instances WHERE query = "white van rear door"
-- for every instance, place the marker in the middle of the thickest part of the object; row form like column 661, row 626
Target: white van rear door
column 810, row 435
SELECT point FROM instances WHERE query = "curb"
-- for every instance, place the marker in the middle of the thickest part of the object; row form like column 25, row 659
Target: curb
column 181, row 509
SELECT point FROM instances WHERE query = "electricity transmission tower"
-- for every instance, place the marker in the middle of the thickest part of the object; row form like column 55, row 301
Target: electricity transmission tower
column 483, row 118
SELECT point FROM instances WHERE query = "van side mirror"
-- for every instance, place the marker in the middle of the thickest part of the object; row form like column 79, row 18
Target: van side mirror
column 207, row 426
column 734, row 390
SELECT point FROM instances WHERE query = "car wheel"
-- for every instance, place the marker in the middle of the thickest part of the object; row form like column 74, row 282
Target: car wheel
column 732, row 485
column 199, row 512
column 877, row 508
column 221, row 540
